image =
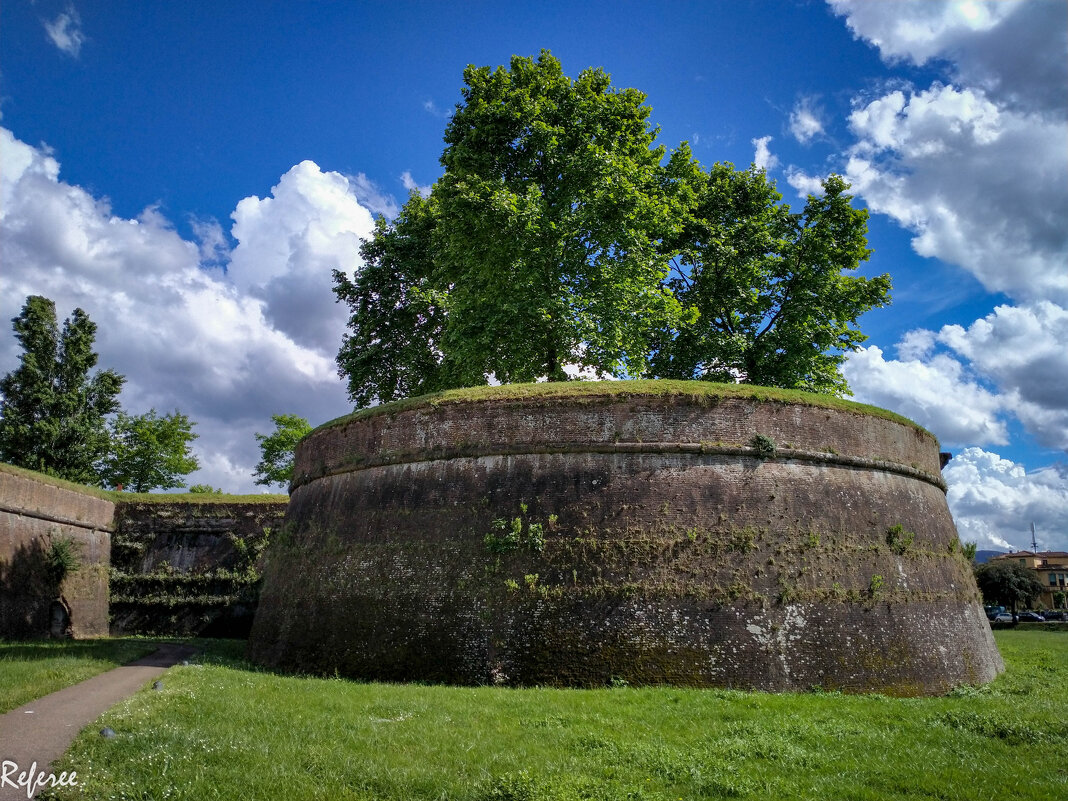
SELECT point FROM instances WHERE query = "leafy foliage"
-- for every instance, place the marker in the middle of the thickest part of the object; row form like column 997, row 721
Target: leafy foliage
column 1007, row 582
column 205, row 489
column 899, row 539
column 394, row 347
column 149, row 452
column 62, row 558
column 558, row 238
column 276, row 466
column 53, row 411
column 538, row 248
column 767, row 289
column 764, row 446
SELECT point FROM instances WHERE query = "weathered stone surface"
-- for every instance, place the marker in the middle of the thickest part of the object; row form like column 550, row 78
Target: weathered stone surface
column 190, row 565
column 33, row 514
column 574, row 541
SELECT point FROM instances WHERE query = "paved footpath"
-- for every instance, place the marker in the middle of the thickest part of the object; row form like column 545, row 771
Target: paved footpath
column 42, row 730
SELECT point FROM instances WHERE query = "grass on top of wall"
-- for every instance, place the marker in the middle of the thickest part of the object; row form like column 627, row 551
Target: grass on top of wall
column 45, row 478
column 30, row 669
column 700, row 391
column 205, row 498
column 222, row 729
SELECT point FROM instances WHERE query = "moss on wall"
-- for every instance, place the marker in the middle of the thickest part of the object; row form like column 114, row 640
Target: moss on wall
column 184, row 565
column 171, row 563
column 537, row 536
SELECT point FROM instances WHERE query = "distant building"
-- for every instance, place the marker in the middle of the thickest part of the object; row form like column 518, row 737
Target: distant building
column 1052, row 569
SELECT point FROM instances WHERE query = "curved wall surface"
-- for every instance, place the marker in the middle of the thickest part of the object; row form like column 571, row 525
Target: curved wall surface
column 542, row 536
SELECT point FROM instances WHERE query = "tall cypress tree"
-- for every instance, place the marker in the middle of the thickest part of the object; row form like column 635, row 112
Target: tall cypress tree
column 52, row 411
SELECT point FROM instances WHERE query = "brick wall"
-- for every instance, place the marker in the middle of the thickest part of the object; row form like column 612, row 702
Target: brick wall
column 35, row 515
column 578, row 541
column 190, row 565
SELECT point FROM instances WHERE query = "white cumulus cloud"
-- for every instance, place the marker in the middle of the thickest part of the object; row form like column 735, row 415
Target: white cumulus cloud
column 228, row 344
column 288, row 246
column 1012, row 49
column 763, row 158
column 974, row 165
column 65, row 32
column 805, row 122
column 981, row 187
column 1022, row 350
column 962, row 382
column 936, row 392
column 994, row 501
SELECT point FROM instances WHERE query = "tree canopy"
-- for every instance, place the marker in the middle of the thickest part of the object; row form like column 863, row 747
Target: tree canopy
column 561, row 239
column 1006, row 582
column 58, row 418
column 277, row 448
column 149, row 452
column 771, row 298
column 53, row 414
column 538, row 247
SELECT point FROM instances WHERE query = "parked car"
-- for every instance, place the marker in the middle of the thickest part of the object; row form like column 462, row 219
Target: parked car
column 1055, row 614
column 1001, row 617
column 1030, row 617
column 993, row 611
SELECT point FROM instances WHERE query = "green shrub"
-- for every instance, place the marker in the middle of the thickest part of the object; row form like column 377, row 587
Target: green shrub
column 764, row 446
column 62, row 558
column 899, row 539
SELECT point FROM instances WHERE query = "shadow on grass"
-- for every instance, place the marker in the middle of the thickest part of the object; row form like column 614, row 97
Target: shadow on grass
column 34, row 650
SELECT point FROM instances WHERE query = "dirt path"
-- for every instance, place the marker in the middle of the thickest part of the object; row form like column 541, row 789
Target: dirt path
column 42, row 730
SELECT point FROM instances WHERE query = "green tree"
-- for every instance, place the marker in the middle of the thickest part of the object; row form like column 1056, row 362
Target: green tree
column 53, row 410
column 538, row 247
column 205, row 489
column 394, row 348
column 557, row 236
column 771, row 299
column 149, row 452
column 1008, row 583
column 276, row 466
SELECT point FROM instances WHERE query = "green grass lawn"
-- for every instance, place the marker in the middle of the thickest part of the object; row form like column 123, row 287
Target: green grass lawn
column 30, row 669
column 223, row 730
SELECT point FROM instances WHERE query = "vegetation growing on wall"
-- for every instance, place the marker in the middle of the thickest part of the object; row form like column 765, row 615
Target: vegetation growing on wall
column 220, row 588
column 700, row 391
column 57, row 418
column 558, row 237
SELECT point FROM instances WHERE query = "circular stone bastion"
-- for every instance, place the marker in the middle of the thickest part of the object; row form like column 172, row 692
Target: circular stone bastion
column 648, row 532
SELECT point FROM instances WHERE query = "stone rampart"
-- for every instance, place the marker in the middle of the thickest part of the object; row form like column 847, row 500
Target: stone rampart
column 38, row 516
column 152, row 564
column 189, row 564
column 659, row 534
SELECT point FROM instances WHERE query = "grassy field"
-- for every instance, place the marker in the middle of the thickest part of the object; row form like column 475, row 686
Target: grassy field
column 29, row 670
column 222, row 730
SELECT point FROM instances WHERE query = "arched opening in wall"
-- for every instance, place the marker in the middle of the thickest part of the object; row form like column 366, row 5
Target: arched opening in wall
column 60, row 623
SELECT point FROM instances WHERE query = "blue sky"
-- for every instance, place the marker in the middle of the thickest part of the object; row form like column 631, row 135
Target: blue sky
column 190, row 174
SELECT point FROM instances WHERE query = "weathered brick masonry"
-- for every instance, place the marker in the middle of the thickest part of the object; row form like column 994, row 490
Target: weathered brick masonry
column 575, row 540
column 172, row 565
column 185, row 566
column 34, row 514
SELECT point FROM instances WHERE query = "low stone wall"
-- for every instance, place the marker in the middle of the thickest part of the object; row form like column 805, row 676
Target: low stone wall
column 651, row 536
column 38, row 515
column 189, row 564
column 166, row 565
